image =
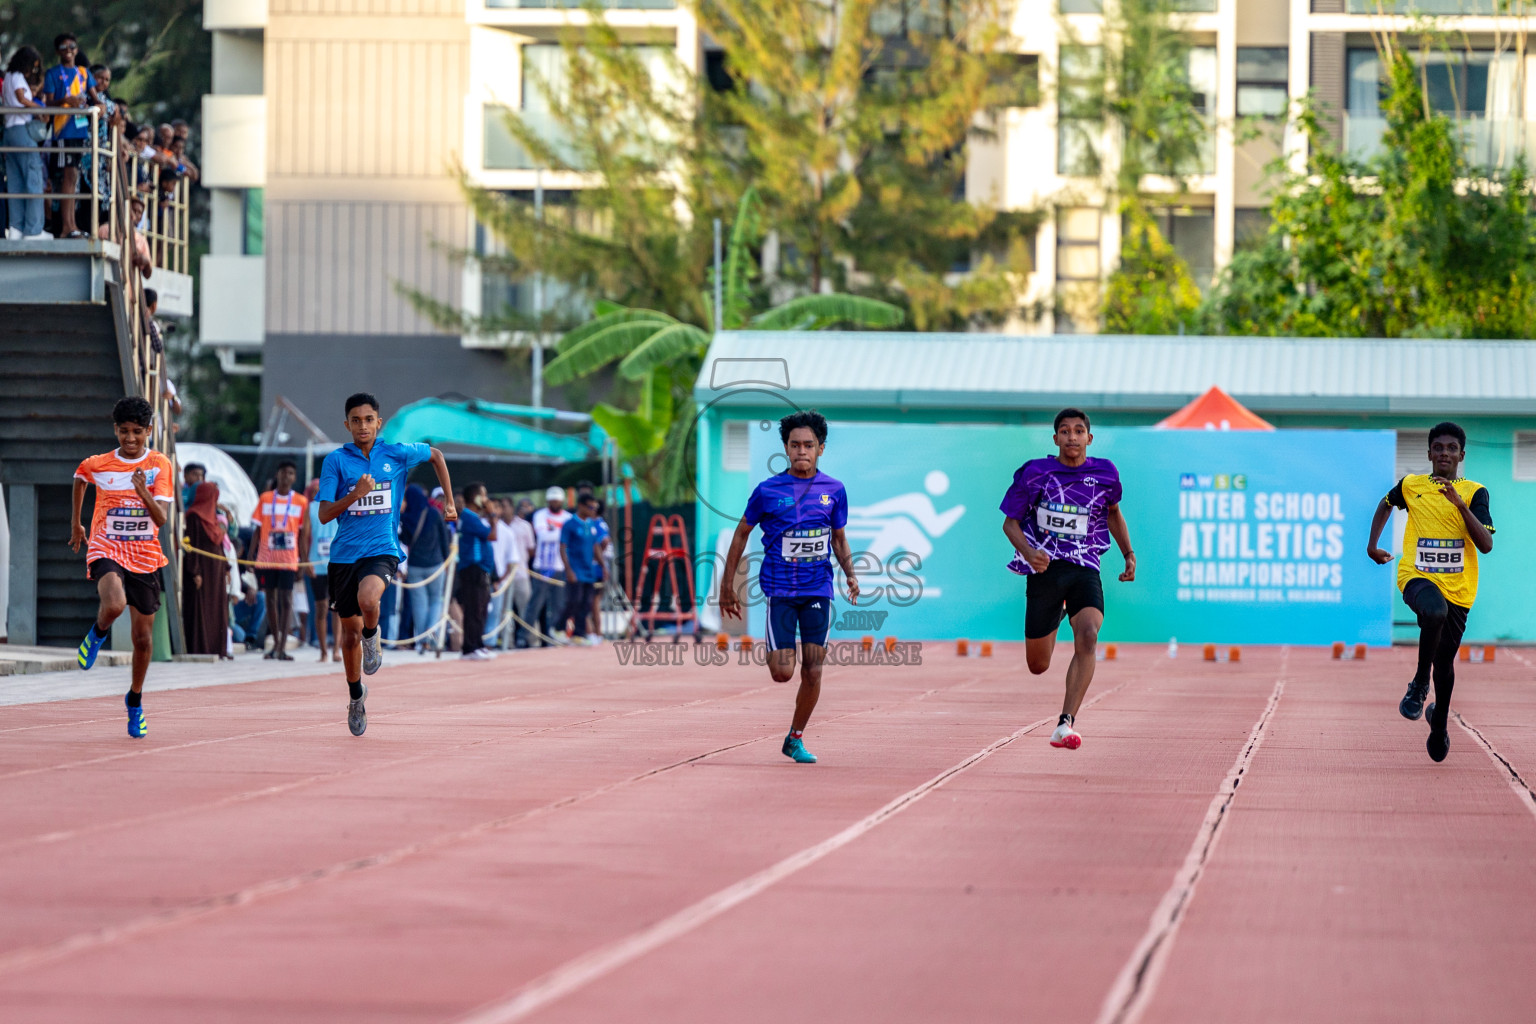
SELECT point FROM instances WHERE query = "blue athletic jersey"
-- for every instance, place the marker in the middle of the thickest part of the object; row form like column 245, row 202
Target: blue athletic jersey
column 371, row 525
column 797, row 516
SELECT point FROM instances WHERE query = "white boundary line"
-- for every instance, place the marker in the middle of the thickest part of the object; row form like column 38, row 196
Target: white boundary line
column 1516, row 783
column 582, row 971
column 1134, row 986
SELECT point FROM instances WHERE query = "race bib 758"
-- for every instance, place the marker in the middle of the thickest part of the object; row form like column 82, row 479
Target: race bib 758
column 806, row 545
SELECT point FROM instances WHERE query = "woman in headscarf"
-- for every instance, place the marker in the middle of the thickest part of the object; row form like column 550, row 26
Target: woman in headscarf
column 205, row 578
column 427, row 543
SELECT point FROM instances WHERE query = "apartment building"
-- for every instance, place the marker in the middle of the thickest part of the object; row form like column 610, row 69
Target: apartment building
column 335, row 128
column 333, row 135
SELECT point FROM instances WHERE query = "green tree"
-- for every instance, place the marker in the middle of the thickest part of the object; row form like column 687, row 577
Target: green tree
column 1134, row 92
column 662, row 355
column 1415, row 241
column 853, row 120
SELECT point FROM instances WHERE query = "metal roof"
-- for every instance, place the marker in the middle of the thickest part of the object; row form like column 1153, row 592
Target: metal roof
column 1154, row 374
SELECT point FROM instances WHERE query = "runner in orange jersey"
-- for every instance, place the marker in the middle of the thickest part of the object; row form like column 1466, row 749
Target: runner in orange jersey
column 134, row 490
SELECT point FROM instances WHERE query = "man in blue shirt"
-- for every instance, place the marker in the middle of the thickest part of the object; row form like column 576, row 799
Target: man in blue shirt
column 66, row 85
column 802, row 512
column 362, row 485
column 578, row 550
column 477, row 567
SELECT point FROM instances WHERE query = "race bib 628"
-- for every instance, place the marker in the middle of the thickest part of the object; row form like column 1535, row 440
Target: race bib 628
column 130, row 524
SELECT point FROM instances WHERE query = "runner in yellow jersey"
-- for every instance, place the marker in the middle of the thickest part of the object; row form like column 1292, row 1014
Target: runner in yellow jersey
column 1448, row 526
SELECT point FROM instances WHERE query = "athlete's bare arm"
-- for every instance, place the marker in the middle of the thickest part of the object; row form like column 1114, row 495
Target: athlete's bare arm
column 1115, row 520
column 156, row 509
column 1377, row 554
column 76, row 528
column 1038, row 560
column 1477, row 531
column 730, row 604
column 845, row 559
column 330, row 510
column 440, row 466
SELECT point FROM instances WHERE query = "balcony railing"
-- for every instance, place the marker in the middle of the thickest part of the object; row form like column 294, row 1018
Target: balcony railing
column 1430, row 7
column 1484, row 143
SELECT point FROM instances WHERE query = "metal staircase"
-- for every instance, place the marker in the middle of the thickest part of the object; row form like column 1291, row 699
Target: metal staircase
column 73, row 340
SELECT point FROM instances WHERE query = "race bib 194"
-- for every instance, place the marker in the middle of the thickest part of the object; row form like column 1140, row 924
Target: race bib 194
column 379, row 500
column 1070, row 520
column 806, row 545
column 1434, row 555
column 130, row 524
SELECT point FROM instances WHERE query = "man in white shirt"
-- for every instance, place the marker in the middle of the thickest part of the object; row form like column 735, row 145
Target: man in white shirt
column 515, row 525
column 546, row 599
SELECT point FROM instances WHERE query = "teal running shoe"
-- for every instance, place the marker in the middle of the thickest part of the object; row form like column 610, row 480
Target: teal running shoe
column 86, row 653
column 794, row 749
column 138, row 725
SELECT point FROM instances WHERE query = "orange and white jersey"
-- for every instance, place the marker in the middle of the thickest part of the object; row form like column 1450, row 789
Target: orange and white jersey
column 121, row 528
column 281, row 517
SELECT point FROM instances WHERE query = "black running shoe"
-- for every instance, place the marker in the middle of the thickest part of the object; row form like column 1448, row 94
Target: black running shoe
column 1412, row 704
column 1439, row 742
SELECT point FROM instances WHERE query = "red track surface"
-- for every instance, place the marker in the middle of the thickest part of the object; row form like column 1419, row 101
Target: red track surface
column 556, row 837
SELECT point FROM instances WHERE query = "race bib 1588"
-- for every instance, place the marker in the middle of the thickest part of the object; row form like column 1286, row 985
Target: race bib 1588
column 1435, row 555
column 130, row 524
column 1071, row 520
column 806, row 545
column 376, row 501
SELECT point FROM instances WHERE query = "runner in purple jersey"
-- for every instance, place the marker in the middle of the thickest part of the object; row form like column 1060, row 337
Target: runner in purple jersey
column 802, row 512
column 1061, row 513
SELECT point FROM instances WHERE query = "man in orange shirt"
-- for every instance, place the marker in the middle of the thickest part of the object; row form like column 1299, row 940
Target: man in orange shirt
column 134, row 491
column 282, row 534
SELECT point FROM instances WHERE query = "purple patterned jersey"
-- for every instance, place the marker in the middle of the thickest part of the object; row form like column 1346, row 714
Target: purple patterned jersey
column 1062, row 509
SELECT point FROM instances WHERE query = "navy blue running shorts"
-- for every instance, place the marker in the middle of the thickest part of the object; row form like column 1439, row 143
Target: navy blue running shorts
column 812, row 616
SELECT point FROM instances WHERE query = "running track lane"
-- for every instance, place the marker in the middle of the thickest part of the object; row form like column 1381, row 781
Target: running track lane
column 1066, row 854
column 1360, row 881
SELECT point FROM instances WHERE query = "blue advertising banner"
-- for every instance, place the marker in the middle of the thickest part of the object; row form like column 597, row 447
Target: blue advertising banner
column 1240, row 537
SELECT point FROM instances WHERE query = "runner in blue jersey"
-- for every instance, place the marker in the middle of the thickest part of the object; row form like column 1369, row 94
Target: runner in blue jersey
column 362, row 486
column 1060, row 514
column 802, row 512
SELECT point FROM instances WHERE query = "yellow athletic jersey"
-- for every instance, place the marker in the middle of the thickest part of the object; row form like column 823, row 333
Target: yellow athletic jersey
column 1436, row 546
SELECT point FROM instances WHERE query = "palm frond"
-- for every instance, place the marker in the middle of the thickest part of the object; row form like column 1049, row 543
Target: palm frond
column 598, row 350
column 817, row 311
column 663, row 347
column 604, row 320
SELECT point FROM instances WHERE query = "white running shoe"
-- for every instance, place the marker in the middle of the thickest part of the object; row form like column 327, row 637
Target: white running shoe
column 41, row 236
column 13, row 234
column 373, row 659
column 1066, row 736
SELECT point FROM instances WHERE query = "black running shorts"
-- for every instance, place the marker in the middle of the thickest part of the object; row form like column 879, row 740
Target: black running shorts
column 142, row 588
column 346, row 576
column 320, row 586
column 1062, row 585
column 276, row 579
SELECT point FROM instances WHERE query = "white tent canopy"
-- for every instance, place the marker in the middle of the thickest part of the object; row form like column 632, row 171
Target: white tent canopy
column 235, row 488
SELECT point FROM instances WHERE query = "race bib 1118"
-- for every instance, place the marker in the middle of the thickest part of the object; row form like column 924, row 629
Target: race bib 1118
column 377, row 501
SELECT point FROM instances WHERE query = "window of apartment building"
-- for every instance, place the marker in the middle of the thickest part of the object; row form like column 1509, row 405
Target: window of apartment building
column 509, row 292
column 1078, row 127
column 1077, row 243
column 1192, row 233
column 253, row 232
column 1263, row 81
column 545, row 77
column 1457, row 83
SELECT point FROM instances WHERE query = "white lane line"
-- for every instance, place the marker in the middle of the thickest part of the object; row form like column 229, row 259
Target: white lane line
column 1133, row 988
column 1521, row 788
column 582, row 971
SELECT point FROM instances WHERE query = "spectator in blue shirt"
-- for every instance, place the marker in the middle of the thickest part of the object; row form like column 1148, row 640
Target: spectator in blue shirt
column 578, row 550
column 250, row 621
column 477, row 567
column 66, row 85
